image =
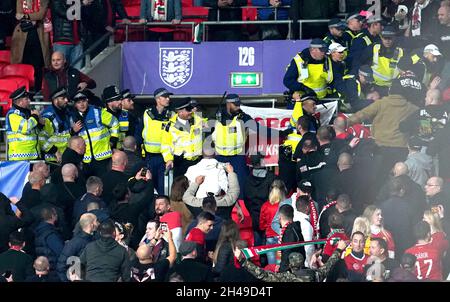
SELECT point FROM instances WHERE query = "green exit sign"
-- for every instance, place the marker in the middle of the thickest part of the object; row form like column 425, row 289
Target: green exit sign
column 246, row 79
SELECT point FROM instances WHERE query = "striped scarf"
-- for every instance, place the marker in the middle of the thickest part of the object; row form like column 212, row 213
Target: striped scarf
column 278, row 252
column 332, row 203
column 314, row 218
column 251, row 252
column 31, row 6
column 417, row 17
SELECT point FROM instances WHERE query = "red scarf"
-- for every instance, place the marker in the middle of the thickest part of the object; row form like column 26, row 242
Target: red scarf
column 31, row 6
column 332, row 203
column 313, row 218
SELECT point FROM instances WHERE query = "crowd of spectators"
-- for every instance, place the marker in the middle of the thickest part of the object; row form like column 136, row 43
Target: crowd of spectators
column 380, row 201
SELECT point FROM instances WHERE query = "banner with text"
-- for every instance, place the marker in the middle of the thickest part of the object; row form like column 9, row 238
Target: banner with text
column 279, row 119
column 209, row 68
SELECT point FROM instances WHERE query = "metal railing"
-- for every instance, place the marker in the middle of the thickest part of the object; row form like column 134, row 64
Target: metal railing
column 301, row 22
column 207, row 23
column 154, row 24
column 87, row 53
column 253, row 6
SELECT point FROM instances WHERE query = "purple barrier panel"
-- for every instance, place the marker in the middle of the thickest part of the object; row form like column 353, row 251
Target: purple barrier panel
column 206, row 69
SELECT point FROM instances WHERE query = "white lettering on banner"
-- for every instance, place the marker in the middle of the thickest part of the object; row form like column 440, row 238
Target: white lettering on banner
column 176, row 66
column 246, row 56
column 375, row 9
column 278, row 119
column 74, row 11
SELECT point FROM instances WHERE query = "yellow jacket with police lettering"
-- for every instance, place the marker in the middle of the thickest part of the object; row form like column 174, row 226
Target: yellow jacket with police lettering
column 99, row 126
column 55, row 134
column 229, row 139
column 154, row 127
column 21, row 135
column 183, row 140
column 385, row 69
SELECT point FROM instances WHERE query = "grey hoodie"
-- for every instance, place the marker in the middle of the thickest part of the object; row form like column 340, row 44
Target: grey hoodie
column 420, row 166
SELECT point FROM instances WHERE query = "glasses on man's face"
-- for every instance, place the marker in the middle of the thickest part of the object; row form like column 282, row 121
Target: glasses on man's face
column 431, row 185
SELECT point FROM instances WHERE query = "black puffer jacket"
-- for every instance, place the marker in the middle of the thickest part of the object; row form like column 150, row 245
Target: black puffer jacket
column 62, row 27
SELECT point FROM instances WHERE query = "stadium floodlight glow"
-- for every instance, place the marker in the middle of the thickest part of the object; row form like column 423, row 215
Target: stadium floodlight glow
column 246, row 79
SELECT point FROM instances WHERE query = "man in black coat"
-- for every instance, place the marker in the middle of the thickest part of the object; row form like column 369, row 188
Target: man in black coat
column 115, row 176
column 69, row 190
column 9, row 222
column 72, row 155
column 15, row 260
column 290, row 232
column 94, row 189
column 105, row 260
column 74, row 247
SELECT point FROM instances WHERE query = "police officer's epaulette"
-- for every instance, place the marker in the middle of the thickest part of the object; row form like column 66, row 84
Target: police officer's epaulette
column 167, row 127
column 17, row 111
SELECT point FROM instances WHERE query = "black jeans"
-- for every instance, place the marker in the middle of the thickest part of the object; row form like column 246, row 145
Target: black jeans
column 32, row 55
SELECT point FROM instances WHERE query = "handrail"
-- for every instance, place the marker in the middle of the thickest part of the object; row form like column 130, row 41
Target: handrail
column 251, row 6
column 87, row 53
column 288, row 22
column 146, row 24
column 300, row 29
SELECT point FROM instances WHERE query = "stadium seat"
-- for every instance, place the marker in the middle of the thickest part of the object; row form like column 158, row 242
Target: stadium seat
column 446, row 95
column 5, row 102
column 5, row 56
column 21, row 70
column 8, row 85
column 21, row 81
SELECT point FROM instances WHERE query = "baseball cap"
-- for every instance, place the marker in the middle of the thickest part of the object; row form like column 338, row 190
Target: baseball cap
column 355, row 16
column 388, row 31
column 187, row 247
column 233, row 98
column 161, row 92
column 305, row 186
column 433, row 49
column 336, row 23
column 318, row 43
column 336, row 47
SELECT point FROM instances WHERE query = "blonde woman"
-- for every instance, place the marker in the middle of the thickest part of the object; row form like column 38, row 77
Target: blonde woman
column 268, row 211
column 377, row 230
column 361, row 224
column 433, row 220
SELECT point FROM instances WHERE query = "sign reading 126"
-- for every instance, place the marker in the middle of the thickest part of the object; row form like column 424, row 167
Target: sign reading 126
column 246, row 56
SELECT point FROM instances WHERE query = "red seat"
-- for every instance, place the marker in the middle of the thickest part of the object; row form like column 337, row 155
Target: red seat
column 133, row 11
column 2, row 65
column 21, row 81
column 8, row 85
column 22, row 70
column 5, row 56
column 5, row 102
column 446, row 95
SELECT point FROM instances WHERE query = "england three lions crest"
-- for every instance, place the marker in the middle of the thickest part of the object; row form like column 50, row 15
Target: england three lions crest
column 176, row 66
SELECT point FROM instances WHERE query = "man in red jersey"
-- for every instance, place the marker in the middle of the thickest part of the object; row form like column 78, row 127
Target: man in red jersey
column 357, row 260
column 429, row 251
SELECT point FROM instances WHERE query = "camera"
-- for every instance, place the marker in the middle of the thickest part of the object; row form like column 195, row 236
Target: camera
column 164, row 227
column 144, row 172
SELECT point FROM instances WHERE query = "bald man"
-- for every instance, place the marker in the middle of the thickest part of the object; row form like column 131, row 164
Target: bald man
column 32, row 197
column 115, row 176
column 73, row 154
column 40, row 167
column 400, row 168
column 42, row 271
column 135, row 161
column 61, row 72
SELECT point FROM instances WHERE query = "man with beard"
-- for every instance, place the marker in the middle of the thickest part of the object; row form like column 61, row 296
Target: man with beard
column 53, row 139
column 113, row 99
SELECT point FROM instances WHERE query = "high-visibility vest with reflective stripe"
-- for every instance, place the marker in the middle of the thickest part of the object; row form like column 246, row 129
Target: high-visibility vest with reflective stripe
column 297, row 112
column 318, row 77
column 385, row 69
column 229, row 139
column 153, row 131
column 124, row 125
column 21, row 136
column 416, row 59
column 56, row 132
column 180, row 142
column 292, row 140
column 98, row 127
column 353, row 36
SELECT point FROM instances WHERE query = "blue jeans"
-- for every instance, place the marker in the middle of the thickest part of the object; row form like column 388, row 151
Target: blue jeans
column 71, row 53
column 156, row 165
column 271, row 259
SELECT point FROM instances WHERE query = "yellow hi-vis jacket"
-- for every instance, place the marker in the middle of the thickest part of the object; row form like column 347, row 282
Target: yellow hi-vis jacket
column 56, row 133
column 21, row 136
column 385, row 69
column 98, row 127
column 229, row 139
column 183, row 140
column 314, row 76
column 153, row 131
